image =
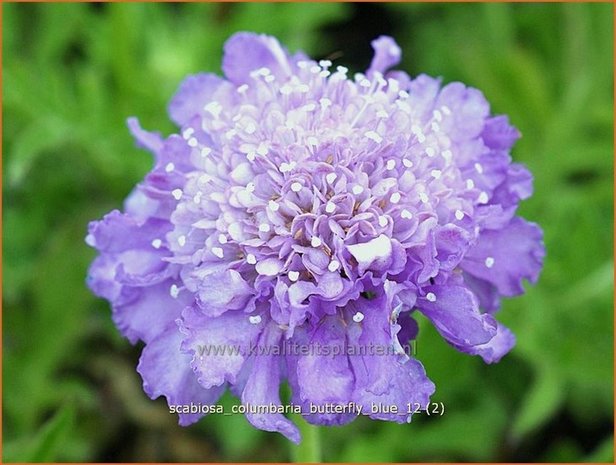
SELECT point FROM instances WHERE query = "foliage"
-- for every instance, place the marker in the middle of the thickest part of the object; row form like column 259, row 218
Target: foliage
column 73, row 73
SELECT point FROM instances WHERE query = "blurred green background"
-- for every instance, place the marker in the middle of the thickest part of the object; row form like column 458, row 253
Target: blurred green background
column 73, row 73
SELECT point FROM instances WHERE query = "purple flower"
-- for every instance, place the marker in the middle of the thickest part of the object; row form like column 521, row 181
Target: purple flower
column 302, row 207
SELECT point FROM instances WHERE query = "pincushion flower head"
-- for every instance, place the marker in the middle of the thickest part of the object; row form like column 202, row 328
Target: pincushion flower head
column 300, row 205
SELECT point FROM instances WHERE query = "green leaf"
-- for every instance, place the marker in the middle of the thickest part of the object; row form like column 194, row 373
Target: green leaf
column 603, row 453
column 541, row 401
column 46, row 445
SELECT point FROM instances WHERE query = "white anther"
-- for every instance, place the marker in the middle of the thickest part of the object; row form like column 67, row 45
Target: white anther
column 325, row 102
column 447, row 155
column 358, row 317
column 222, row 239
column 325, row 63
column 296, row 187
column 435, row 126
column 333, row 265
column 391, row 164
column 262, row 149
column 254, row 319
column 187, row 133
column 430, row 151
column 313, row 141
column 169, row 167
column 218, row 252
column 250, row 187
column 373, row 135
column 403, row 94
column 197, row 197
column 156, row 243
column 395, row 197
column 421, row 137
column 423, row 197
column 459, row 215
column 177, row 194
column 382, row 114
column 286, row 167
column 470, row 184
column 309, row 107
column 489, row 262
column 251, row 259
column 273, row 206
column 293, row 275
column 174, row 291
column 205, row 151
column 436, row 174
column 242, row 89
column 431, row 297
column 264, row 227
column 483, row 198
column 331, row 177
column 342, row 69
column 406, row 214
column 250, row 128
column 357, row 189
column 193, row 142
column 479, row 168
column 406, row 162
column 445, row 109
column 213, row 108
column 182, row 240
column 437, row 115
column 330, row 207
column 382, row 221
column 315, row 242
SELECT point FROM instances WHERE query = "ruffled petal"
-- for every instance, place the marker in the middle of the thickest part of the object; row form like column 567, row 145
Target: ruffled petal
column 262, row 387
column 384, row 376
column 327, row 360
column 518, row 185
column 468, row 108
column 221, row 291
column 218, row 353
column 148, row 311
column 245, row 52
column 373, row 254
column 505, row 257
column 451, row 243
column 192, row 95
column 118, row 232
column 132, row 274
column 493, row 350
column 454, row 311
column 166, row 372
column 489, row 298
column 498, row 134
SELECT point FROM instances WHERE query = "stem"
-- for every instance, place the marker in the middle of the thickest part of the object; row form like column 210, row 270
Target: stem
column 309, row 450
